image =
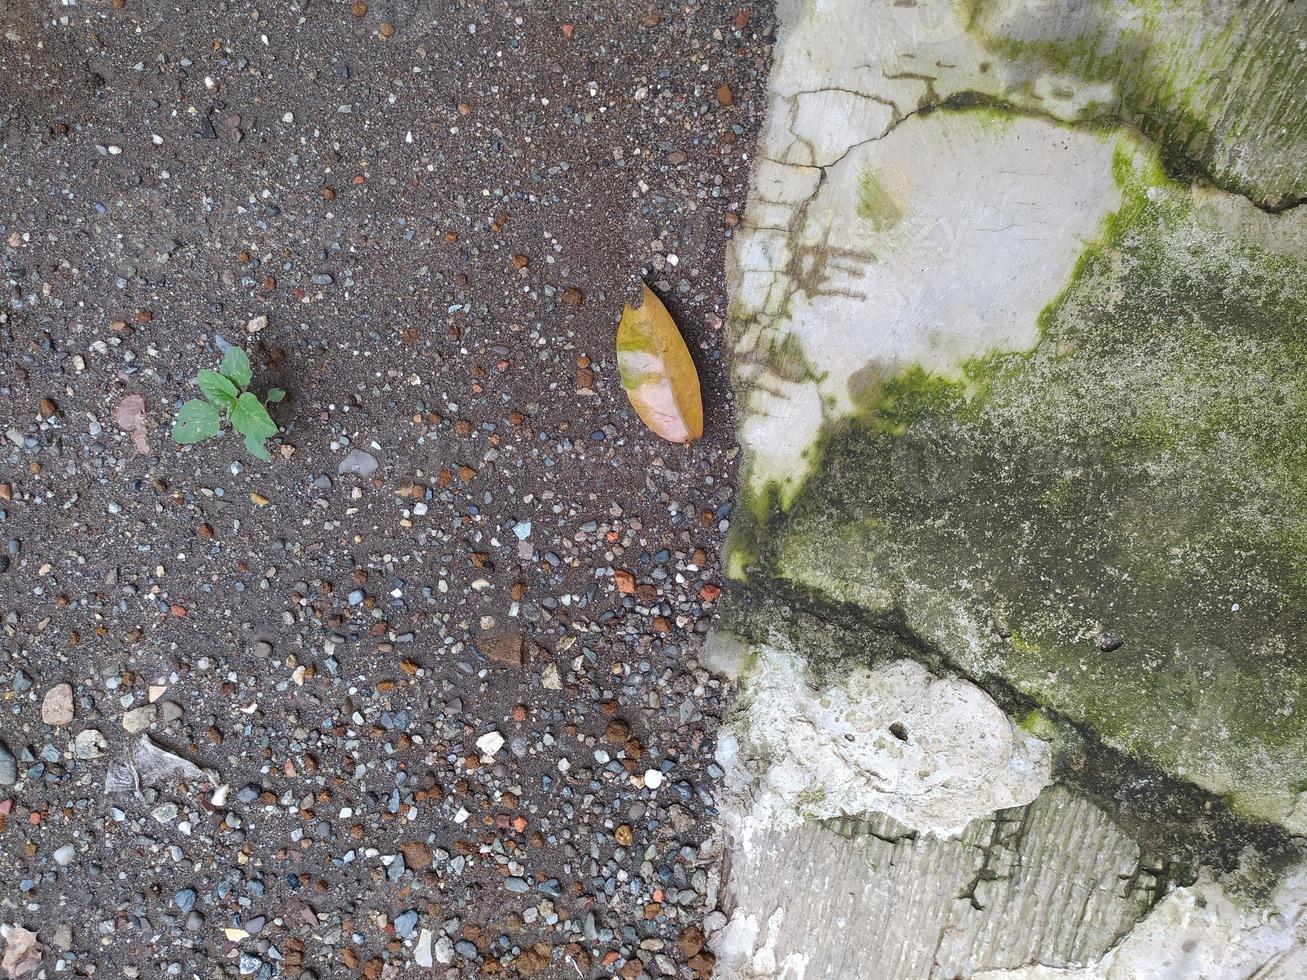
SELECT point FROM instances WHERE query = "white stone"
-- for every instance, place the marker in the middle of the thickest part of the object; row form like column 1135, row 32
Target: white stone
column 444, row 950
column 490, row 743
column 422, row 952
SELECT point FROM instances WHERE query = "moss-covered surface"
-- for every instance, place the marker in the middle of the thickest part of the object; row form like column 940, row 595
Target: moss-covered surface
column 1114, row 523
column 876, row 205
column 1219, row 86
column 1180, row 827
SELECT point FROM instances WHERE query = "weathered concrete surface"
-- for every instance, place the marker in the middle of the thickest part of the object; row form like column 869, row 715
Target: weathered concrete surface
column 1199, row 931
column 1045, row 400
column 1054, row 882
column 1019, row 314
column 932, row 752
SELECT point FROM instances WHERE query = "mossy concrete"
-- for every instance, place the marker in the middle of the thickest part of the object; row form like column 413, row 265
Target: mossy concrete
column 1221, row 88
column 1019, row 329
column 1115, row 521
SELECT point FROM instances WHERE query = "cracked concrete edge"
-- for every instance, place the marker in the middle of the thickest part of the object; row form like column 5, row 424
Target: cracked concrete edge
column 1222, row 926
column 1201, row 931
column 932, row 752
column 787, row 257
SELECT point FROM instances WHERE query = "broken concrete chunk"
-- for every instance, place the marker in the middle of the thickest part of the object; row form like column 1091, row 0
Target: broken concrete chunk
column 149, row 765
column 933, row 753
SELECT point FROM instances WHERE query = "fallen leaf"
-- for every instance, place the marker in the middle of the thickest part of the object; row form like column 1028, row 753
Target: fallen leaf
column 657, row 372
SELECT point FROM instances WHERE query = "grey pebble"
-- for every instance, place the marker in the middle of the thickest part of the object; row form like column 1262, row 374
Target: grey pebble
column 406, row 923
column 8, row 766
column 359, row 463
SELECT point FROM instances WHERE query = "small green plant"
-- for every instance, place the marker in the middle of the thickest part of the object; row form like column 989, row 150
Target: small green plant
column 226, row 392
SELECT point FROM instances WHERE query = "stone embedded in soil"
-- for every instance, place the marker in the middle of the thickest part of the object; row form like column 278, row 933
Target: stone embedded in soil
column 503, row 649
column 490, row 743
column 422, row 954
column 89, row 744
column 139, row 719
column 357, row 463
column 57, row 706
column 8, row 766
column 617, row 731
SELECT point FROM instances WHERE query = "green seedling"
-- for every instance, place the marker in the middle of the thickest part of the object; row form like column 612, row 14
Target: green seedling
column 226, row 392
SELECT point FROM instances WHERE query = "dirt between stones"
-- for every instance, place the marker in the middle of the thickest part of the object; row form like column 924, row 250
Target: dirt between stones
column 422, row 221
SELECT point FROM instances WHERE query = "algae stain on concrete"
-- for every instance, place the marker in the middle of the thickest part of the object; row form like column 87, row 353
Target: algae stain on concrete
column 1115, row 521
column 1218, row 87
column 876, row 205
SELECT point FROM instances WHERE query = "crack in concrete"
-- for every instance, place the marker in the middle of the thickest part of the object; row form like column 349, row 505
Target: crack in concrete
column 1174, row 816
column 966, row 99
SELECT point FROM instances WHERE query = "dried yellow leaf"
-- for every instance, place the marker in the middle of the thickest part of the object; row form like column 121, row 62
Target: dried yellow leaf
column 657, row 372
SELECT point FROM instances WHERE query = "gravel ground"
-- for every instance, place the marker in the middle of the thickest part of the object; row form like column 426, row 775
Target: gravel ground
column 436, row 662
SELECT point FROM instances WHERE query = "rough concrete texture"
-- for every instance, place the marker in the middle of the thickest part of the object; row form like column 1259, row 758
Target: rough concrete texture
column 931, row 752
column 1018, row 313
column 1055, row 881
column 1198, row 931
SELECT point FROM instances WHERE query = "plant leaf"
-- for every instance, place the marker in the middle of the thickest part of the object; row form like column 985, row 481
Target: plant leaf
column 236, row 366
column 275, row 395
column 657, row 371
column 217, row 388
column 196, row 420
column 250, row 418
column 256, row 448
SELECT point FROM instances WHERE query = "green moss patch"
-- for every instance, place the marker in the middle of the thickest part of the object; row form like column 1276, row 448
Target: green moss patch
column 875, row 204
column 1115, row 522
